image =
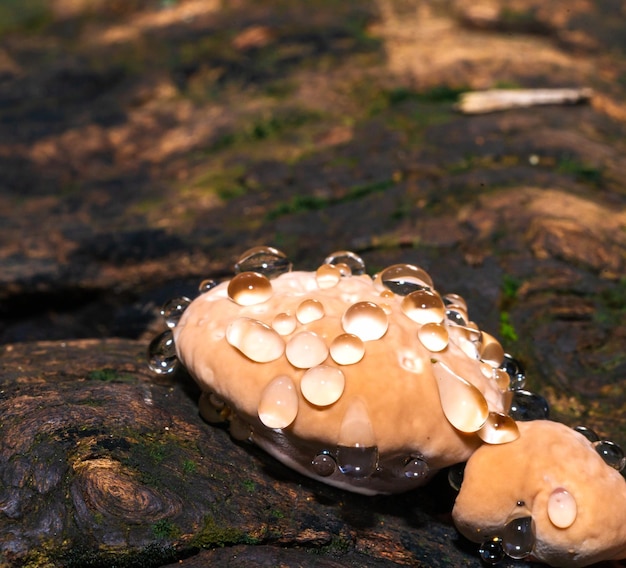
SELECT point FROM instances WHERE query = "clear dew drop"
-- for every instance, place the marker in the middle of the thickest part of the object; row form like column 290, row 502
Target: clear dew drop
column 357, row 454
column 211, row 409
column 207, row 285
column 433, row 336
column 173, row 309
column 279, row 403
column 501, row 377
column 491, row 551
column 309, row 310
column 518, row 536
column 284, row 323
column 352, row 260
column 456, row 315
column 587, row 433
column 455, row 476
column 527, row 406
column 366, row 320
column 357, row 461
column 463, row 404
column 324, row 464
column 562, row 508
column 611, row 453
column 305, row 350
column 515, row 370
column 498, row 429
column 322, row 385
column 491, row 351
column 402, row 279
column 424, row 306
column 162, row 358
column 454, row 300
column 416, row 467
column 264, row 260
column 347, row 349
column 249, row 289
column 255, row 339
column 327, row 276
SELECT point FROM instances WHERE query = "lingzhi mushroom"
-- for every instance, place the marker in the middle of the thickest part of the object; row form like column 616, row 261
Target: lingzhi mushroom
column 310, row 366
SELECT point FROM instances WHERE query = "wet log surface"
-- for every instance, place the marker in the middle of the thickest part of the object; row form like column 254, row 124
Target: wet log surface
column 145, row 144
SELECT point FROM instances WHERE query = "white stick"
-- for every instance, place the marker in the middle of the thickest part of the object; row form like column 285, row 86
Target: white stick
column 479, row 102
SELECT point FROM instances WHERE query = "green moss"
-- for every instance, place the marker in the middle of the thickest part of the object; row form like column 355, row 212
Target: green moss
column 214, row 535
column 582, row 171
column 249, row 485
column 166, row 530
column 189, row 466
column 109, row 375
column 507, row 330
column 24, row 15
column 510, row 286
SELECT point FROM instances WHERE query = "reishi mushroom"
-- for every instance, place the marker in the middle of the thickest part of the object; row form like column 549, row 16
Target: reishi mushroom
column 373, row 384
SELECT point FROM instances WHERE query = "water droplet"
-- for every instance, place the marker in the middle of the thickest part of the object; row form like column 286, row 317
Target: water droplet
column 455, row 476
column 456, row 315
column 416, row 467
column 587, row 433
column 402, row 279
column 357, row 461
column 611, row 453
column 354, row 261
column 515, row 370
column 239, row 429
column 211, row 409
column 162, row 353
column 463, row 404
column 455, row 300
column 324, row 464
column 499, row 429
column 463, row 337
column 424, row 306
column 528, row 406
column 433, row 336
column 249, row 288
column 255, row 339
column 322, row 385
column 173, row 309
column 357, row 454
column 265, row 260
column 518, row 536
column 562, row 508
column 491, row 551
column 284, row 323
column 491, row 351
column 366, row 320
column 305, row 350
column 279, row 403
column 206, row 285
column 327, row 276
column 347, row 349
column 309, row 310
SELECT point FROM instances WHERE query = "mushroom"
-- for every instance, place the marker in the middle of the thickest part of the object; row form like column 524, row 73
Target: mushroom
column 549, row 495
column 370, row 384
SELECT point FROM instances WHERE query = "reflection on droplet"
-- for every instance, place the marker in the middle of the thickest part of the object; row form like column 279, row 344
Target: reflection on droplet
column 454, row 300
column 518, row 536
column 434, row 336
column 284, row 323
column 357, row 454
column 265, row 260
column 309, row 310
column 402, row 279
column 206, row 285
column 491, row 551
column 322, row 385
column 456, row 315
column 587, row 433
column 502, row 378
column 498, row 429
column 463, row 404
column 352, row 260
column 279, row 403
column 491, row 351
column 515, row 370
column 528, row 406
column 249, row 288
column 366, row 320
column 416, row 468
column 562, row 508
column 357, row 461
column 211, row 409
column 424, row 306
column 327, row 276
column 255, row 339
column 324, row 464
column 455, row 476
column 611, row 453
column 162, row 353
column 347, row 349
column 173, row 309
column 306, row 349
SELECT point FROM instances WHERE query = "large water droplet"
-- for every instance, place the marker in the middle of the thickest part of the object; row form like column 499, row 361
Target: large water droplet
column 456, row 315
column 518, row 536
column 502, row 378
column 284, row 323
column 499, row 429
column 322, row 385
column 587, row 433
column 463, row 404
column 309, row 310
column 255, row 339
column 173, row 309
column 347, row 349
column 357, row 454
column 562, row 508
column 424, row 306
column 324, row 464
column 491, row 551
column 162, row 353
column 357, row 461
column 491, row 351
column 434, row 336
column 352, row 260
column 366, row 320
column 327, row 276
column 416, row 467
column 206, row 285
column 454, row 300
column 305, row 350
column 279, row 403
column 515, row 370
column 611, row 453
column 265, row 260
column 402, row 279
column 249, row 288
column 528, row 406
